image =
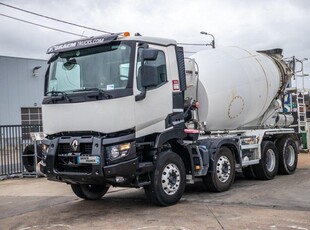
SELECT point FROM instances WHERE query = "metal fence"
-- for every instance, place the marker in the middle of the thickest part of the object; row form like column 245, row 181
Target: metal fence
column 13, row 140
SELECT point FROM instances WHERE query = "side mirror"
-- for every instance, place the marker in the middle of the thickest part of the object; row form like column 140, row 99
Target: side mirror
column 149, row 55
column 149, row 73
column 149, row 76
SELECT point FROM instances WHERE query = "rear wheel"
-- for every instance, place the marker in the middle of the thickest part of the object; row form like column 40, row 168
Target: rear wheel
column 89, row 192
column 167, row 181
column 288, row 155
column 269, row 162
column 224, row 175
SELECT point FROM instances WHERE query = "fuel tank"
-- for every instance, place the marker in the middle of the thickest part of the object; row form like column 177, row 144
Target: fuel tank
column 235, row 86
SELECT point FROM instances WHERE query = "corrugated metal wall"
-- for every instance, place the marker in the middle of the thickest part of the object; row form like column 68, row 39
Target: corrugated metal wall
column 19, row 88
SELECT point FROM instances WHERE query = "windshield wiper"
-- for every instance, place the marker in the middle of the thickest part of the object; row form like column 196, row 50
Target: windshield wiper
column 58, row 95
column 97, row 90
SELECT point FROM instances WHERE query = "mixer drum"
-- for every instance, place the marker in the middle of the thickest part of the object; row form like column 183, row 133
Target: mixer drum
column 235, row 87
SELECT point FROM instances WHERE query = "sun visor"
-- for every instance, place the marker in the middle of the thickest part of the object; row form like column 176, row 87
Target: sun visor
column 83, row 43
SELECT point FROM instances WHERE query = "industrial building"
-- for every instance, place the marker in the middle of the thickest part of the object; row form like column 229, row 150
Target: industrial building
column 21, row 94
column 21, row 90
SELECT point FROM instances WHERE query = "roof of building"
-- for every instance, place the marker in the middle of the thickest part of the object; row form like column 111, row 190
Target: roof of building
column 24, row 58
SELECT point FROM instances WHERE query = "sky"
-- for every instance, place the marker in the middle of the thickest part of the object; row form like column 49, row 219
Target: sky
column 254, row 25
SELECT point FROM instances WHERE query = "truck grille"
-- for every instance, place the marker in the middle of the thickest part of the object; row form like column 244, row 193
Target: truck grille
column 85, row 148
column 66, row 159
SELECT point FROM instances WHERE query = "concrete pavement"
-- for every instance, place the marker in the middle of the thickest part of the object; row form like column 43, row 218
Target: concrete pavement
column 282, row 203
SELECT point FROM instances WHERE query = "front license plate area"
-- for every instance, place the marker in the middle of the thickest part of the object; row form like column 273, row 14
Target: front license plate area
column 94, row 160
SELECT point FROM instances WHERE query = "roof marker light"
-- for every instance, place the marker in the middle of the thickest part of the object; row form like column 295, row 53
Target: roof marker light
column 126, row 34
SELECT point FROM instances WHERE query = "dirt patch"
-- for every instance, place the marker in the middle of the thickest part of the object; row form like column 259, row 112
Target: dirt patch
column 304, row 161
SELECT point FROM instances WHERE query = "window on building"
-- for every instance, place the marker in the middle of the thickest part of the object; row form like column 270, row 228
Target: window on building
column 31, row 116
column 31, row 121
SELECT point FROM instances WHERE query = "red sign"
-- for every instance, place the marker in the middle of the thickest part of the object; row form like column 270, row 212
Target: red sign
column 175, row 85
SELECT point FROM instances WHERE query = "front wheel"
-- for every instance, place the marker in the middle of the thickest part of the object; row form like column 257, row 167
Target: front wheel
column 167, row 181
column 224, row 175
column 89, row 191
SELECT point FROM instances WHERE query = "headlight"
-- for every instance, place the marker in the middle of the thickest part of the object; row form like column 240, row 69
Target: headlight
column 118, row 151
column 44, row 150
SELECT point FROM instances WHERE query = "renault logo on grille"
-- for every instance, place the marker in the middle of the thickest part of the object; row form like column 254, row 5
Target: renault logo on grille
column 75, row 145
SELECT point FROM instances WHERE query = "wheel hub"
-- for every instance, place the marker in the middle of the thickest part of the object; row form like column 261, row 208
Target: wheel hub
column 290, row 155
column 223, row 169
column 270, row 160
column 170, row 179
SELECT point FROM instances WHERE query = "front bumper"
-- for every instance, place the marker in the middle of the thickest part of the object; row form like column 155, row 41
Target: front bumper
column 61, row 161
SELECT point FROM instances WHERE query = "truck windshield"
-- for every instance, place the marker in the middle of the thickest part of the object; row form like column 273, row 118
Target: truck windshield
column 107, row 68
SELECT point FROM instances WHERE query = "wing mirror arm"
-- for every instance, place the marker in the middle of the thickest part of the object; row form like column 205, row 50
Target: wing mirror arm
column 141, row 96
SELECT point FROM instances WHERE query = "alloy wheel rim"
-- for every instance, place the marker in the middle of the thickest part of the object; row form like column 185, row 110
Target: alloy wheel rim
column 171, row 179
column 270, row 160
column 290, row 156
column 223, row 169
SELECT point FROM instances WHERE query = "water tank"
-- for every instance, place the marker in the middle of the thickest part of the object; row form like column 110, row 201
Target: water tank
column 236, row 86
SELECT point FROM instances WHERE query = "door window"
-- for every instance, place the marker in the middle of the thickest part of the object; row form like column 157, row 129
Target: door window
column 160, row 63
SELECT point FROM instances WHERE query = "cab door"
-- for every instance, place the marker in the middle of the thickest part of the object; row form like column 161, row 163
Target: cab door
column 151, row 111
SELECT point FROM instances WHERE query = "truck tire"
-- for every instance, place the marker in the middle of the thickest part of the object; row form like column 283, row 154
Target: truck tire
column 89, row 191
column 28, row 157
column 168, row 180
column 248, row 172
column 288, row 155
column 269, row 162
column 224, row 175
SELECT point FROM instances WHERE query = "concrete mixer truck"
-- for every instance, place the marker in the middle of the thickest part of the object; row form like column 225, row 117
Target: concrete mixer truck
column 132, row 111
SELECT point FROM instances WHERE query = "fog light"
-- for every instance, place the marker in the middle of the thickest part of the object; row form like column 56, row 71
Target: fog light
column 119, row 179
column 114, row 152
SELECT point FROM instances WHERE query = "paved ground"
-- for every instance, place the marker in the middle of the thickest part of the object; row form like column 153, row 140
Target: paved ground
column 283, row 203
